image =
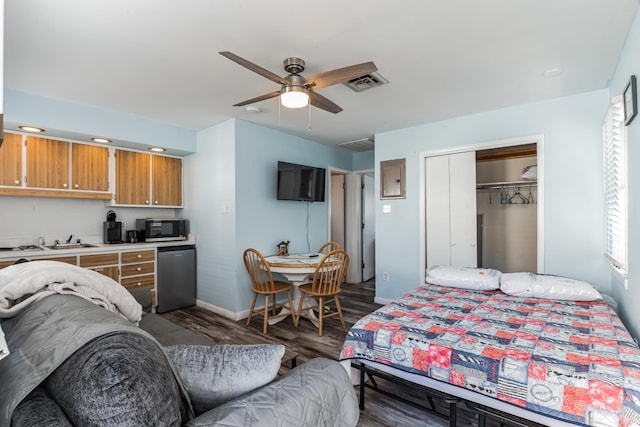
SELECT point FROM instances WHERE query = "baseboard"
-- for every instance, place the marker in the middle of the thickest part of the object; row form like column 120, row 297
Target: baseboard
column 224, row 312
column 383, row 301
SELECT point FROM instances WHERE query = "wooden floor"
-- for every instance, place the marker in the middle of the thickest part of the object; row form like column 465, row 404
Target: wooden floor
column 304, row 342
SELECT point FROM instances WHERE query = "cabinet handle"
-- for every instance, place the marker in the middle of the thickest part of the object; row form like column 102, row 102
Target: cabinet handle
column 156, row 202
column 139, row 255
column 146, row 202
column 64, row 185
column 139, row 269
column 77, row 186
column 139, row 284
column 17, row 182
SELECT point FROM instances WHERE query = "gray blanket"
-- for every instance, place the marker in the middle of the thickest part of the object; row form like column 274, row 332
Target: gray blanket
column 44, row 335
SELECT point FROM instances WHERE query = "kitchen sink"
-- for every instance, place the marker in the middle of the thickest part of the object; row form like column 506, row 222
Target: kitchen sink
column 21, row 248
column 72, row 246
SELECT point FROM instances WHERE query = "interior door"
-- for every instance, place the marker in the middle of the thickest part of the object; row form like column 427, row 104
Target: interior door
column 368, row 228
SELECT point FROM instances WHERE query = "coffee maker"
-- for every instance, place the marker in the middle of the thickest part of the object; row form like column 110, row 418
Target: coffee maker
column 112, row 229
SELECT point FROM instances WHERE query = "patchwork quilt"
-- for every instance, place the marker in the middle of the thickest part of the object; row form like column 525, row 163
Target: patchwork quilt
column 573, row 361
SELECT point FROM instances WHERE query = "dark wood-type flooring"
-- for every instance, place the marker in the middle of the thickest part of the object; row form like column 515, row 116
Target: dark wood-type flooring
column 305, row 344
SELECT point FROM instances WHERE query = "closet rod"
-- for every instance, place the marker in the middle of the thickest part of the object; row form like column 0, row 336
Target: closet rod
column 510, row 184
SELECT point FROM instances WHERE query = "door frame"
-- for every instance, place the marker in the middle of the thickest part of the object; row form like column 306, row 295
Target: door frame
column 537, row 139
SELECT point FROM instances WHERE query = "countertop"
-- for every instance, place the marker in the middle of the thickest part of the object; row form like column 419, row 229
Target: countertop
column 96, row 248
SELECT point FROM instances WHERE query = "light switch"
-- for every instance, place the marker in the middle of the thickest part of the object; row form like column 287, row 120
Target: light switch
column 386, row 208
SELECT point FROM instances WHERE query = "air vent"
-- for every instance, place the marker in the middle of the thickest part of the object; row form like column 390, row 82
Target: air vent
column 364, row 144
column 365, row 82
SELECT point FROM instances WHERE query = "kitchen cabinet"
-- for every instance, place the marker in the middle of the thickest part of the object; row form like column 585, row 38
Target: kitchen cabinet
column 133, row 186
column 148, row 180
column 11, row 160
column 89, row 167
column 47, row 163
column 104, row 263
column 166, row 180
column 138, row 270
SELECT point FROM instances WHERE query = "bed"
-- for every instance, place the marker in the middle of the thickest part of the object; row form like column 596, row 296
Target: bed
column 534, row 361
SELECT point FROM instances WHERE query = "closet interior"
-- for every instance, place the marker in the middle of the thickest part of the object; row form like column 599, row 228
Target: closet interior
column 506, row 208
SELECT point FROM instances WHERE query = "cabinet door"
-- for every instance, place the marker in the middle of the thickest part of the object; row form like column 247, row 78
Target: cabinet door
column 89, row 167
column 11, row 160
column 167, row 181
column 133, row 181
column 47, row 163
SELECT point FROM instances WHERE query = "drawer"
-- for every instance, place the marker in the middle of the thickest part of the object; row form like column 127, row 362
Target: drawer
column 98, row 259
column 147, row 281
column 133, row 269
column 68, row 259
column 138, row 256
column 111, row 272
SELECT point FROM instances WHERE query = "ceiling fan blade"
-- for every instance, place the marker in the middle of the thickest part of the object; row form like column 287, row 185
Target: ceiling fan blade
column 340, row 75
column 258, row 98
column 323, row 103
column 255, row 68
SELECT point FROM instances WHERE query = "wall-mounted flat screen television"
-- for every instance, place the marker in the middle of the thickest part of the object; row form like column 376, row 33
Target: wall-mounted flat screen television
column 300, row 182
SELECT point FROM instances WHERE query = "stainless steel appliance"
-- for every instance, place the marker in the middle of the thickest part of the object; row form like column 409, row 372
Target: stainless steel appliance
column 162, row 229
column 176, row 277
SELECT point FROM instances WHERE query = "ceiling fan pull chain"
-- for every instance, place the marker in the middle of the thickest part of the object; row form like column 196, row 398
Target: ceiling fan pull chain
column 309, row 117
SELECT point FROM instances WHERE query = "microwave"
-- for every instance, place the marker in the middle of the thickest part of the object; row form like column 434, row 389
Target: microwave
column 162, row 229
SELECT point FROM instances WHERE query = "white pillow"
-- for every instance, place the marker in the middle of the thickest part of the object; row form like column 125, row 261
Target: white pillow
column 546, row 286
column 483, row 279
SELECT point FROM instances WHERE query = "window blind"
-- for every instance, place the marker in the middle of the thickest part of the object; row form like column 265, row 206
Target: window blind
column 615, row 174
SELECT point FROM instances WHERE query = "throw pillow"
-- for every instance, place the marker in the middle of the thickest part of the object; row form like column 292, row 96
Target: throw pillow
column 216, row 374
column 481, row 279
column 121, row 379
column 547, row 286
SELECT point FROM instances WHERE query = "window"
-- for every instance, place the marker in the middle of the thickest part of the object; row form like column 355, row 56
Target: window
column 615, row 181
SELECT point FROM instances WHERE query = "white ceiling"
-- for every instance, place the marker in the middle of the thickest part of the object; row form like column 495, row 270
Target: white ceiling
column 159, row 58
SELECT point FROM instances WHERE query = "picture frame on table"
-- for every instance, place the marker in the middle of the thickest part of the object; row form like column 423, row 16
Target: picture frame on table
column 630, row 101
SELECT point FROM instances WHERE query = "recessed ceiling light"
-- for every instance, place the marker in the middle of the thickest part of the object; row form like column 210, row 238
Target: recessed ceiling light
column 551, row 73
column 102, row 140
column 157, row 149
column 31, row 129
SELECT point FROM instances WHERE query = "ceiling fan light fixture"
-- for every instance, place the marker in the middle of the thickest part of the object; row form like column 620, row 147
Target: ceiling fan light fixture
column 294, row 97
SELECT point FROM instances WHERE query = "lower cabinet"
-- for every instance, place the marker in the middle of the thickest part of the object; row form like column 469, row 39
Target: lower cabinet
column 132, row 269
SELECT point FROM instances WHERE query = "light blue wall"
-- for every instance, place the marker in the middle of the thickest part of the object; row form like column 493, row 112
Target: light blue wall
column 629, row 299
column 364, row 160
column 573, row 201
column 236, row 166
column 63, row 119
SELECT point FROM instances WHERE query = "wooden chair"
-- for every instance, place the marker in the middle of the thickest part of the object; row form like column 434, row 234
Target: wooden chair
column 328, row 247
column 327, row 280
column 263, row 284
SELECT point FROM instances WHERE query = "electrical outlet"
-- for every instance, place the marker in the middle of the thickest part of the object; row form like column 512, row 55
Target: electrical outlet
column 385, row 276
column 386, row 208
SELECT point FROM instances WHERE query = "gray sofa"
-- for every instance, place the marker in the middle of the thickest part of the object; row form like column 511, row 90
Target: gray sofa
column 74, row 363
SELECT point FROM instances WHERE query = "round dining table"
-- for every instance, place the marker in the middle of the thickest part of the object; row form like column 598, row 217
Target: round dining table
column 298, row 269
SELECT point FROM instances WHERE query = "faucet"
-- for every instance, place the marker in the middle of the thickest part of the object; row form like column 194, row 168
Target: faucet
column 69, row 239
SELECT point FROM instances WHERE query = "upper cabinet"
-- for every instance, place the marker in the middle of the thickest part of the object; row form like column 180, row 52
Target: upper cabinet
column 166, row 180
column 133, row 185
column 11, row 160
column 47, row 163
column 148, row 179
column 43, row 167
column 89, row 167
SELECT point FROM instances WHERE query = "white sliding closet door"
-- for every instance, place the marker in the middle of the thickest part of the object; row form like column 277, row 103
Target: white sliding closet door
column 451, row 210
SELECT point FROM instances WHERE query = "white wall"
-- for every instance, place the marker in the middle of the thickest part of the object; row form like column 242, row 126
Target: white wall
column 629, row 299
column 573, row 205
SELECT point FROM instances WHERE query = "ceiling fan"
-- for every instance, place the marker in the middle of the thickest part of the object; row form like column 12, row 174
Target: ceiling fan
column 297, row 91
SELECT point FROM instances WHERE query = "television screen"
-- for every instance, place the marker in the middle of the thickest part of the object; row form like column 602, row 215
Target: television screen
column 300, row 182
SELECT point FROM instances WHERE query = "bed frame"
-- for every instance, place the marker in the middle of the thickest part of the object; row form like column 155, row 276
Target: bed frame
column 367, row 380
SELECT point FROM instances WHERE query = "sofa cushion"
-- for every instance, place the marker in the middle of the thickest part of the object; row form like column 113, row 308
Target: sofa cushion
column 120, row 379
column 216, row 374
column 38, row 410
